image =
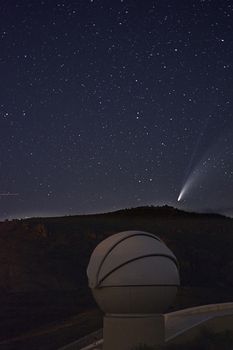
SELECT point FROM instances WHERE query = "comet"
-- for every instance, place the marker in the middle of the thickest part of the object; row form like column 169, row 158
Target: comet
column 180, row 196
column 193, row 178
column 183, row 190
column 198, row 170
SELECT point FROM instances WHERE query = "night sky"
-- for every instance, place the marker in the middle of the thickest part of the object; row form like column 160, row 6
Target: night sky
column 112, row 104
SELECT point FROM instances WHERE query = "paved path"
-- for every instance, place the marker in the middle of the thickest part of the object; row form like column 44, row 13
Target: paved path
column 92, row 341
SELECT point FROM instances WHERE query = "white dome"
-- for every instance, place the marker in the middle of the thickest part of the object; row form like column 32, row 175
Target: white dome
column 133, row 272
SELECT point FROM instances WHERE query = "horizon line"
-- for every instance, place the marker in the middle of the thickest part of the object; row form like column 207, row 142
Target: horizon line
column 9, row 194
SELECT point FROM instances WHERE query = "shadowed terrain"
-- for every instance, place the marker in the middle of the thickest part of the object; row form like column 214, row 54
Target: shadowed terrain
column 43, row 268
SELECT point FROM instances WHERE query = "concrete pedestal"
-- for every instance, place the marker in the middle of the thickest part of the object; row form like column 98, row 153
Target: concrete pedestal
column 127, row 332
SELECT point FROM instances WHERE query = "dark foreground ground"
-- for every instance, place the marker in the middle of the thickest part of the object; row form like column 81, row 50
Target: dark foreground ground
column 44, row 299
column 48, row 321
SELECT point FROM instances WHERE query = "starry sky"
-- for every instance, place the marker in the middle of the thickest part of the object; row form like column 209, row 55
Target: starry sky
column 111, row 104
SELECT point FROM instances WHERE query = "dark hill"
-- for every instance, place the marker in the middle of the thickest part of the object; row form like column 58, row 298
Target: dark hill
column 43, row 265
column 163, row 211
column 40, row 254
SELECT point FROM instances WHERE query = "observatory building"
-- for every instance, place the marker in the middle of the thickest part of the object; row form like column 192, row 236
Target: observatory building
column 134, row 277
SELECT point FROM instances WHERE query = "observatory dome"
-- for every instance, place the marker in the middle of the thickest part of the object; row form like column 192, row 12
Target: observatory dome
column 133, row 272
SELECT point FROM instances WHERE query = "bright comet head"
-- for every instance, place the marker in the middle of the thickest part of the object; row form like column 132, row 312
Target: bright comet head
column 188, row 184
column 182, row 192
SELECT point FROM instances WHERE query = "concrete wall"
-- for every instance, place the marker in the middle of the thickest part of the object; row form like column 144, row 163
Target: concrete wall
column 216, row 324
column 187, row 325
column 201, row 309
column 128, row 332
